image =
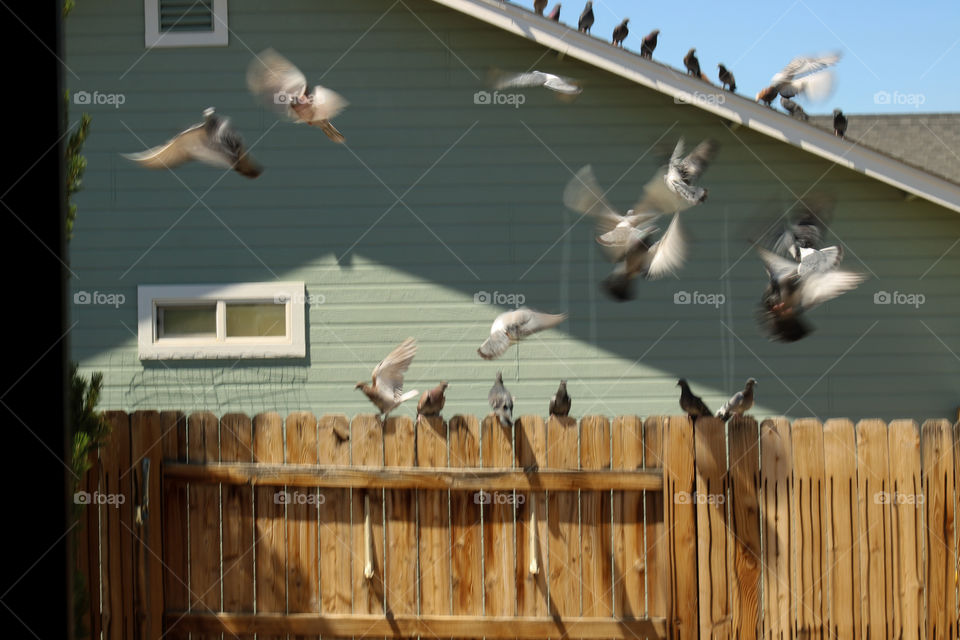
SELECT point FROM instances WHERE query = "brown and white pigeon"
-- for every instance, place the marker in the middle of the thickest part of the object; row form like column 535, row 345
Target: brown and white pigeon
column 386, row 392
column 739, row 403
column 793, row 109
column 555, row 13
column 648, row 44
column 586, row 18
column 839, row 123
column 212, row 142
column 726, row 78
column 560, row 402
column 510, row 326
column 283, row 87
column 691, row 404
column 501, row 401
column 539, row 6
column 620, row 33
column 432, row 401
column 692, row 64
column 768, row 95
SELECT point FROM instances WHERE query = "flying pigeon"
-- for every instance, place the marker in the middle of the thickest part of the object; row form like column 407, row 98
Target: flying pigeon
column 212, row 142
column 539, row 6
column 839, row 123
column 648, row 259
column 683, row 171
column 432, row 401
column 690, row 403
column 560, row 403
column 555, row 13
column 648, row 44
column 560, row 84
column 620, row 33
column 793, row 108
column 586, row 18
column 386, row 392
column 501, row 401
column 692, row 64
column 768, row 95
column 283, row 87
column 726, row 78
column 807, row 76
column 510, row 326
column 739, row 403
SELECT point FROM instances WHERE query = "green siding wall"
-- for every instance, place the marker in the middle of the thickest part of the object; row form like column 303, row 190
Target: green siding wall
column 487, row 217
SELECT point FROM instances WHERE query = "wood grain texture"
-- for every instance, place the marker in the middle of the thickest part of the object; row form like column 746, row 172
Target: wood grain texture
column 563, row 527
column 714, row 544
column 434, row 515
column 176, row 572
column 303, row 541
column 936, row 443
column 400, row 525
column 117, row 572
column 203, row 437
column 907, row 530
column 465, row 567
column 745, row 513
column 500, row 565
column 808, row 542
column 146, row 443
column 531, row 449
column 629, row 557
column 236, row 445
column 679, row 484
column 596, row 551
column 270, row 539
column 366, row 443
column 776, row 472
column 876, row 550
column 336, row 554
column 655, row 531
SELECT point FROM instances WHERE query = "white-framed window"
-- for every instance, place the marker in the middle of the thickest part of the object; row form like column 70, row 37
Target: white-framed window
column 185, row 23
column 226, row 321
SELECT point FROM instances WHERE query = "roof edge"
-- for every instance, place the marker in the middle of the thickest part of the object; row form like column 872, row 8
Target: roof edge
column 734, row 107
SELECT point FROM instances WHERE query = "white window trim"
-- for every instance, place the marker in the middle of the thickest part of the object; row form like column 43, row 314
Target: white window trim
column 293, row 345
column 219, row 37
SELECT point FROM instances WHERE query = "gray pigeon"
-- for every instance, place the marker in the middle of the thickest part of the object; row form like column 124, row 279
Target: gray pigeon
column 726, row 78
column 586, row 18
column 386, row 392
column 793, row 108
column 212, row 142
column 683, row 171
column 690, row 403
column 283, row 87
column 648, row 44
column 620, row 33
column 692, row 64
column 560, row 403
column 807, row 76
column 739, row 403
column 510, row 326
column 501, row 401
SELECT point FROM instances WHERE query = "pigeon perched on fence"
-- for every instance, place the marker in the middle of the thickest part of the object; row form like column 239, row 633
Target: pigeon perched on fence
column 726, row 78
column 560, row 84
column 501, row 401
column 691, row 404
column 839, row 123
column 768, row 95
column 692, row 64
column 510, row 326
column 555, row 13
column 212, row 142
column 586, row 18
column 807, row 76
column 739, row 403
column 283, row 87
column 386, row 392
column 793, row 109
column 432, row 401
column 648, row 44
column 620, row 33
column 539, row 6
column 560, row 403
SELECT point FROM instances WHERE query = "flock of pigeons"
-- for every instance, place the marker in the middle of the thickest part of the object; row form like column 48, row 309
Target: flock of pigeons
column 385, row 390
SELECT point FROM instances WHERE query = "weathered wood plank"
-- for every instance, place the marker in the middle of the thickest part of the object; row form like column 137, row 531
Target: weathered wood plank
column 176, row 572
column 400, row 525
column 907, row 530
column 366, row 444
column 146, row 435
column 842, row 529
column 531, row 449
column 204, row 446
column 595, row 529
column 630, row 571
column 936, row 443
column 713, row 541
column 118, row 568
column 809, row 544
column 745, row 512
column 303, row 552
column 270, row 539
column 336, row 557
column 563, row 544
column 876, row 551
column 433, row 509
column 236, row 445
column 499, row 536
column 776, row 470
column 657, row 547
column 681, row 525
column 88, row 548
column 466, row 569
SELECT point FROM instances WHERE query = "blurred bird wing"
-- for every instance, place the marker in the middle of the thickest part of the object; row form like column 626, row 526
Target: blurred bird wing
column 777, row 266
column 270, row 74
column 189, row 145
column 813, row 260
column 516, row 80
column 326, row 103
column 804, row 65
column 658, row 197
column 561, row 84
column 676, row 158
column 495, row 345
column 669, row 252
column 816, row 87
column 699, row 159
column 525, row 322
column 819, row 287
column 388, row 375
column 584, row 195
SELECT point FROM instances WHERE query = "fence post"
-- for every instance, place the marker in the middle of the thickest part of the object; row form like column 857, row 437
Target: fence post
column 745, row 512
column 681, row 524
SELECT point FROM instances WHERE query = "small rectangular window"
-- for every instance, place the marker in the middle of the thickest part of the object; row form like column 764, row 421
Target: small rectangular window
column 181, row 321
column 185, row 23
column 252, row 320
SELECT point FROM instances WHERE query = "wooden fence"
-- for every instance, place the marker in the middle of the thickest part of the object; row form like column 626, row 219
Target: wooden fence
column 197, row 526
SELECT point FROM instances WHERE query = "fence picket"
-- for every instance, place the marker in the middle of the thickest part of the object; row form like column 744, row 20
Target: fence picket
column 808, row 473
column 303, row 553
column 271, row 539
column 842, row 528
column 907, row 530
column 236, row 445
column 710, row 450
column 745, row 512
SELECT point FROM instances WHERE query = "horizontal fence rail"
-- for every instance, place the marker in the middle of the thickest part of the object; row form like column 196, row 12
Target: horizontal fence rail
column 602, row 528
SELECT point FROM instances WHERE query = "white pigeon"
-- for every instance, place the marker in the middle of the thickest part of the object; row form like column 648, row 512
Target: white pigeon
column 281, row 85
column 386, row 392
column 212, row 142
column 648, row 259
column 560, row 84
column 808, row 76
column 509, row 327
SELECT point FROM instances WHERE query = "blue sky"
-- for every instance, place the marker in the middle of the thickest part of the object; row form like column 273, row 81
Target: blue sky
column 897, row 56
